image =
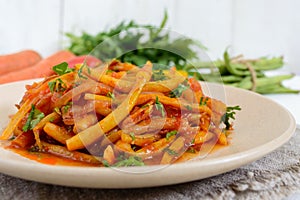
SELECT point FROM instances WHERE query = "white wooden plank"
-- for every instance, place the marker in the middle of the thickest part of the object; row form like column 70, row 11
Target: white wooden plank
column 30, row 24
column 207, row 21
column 269, row 27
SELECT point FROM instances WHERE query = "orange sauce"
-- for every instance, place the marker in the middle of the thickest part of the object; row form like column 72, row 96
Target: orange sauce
column 48, row 159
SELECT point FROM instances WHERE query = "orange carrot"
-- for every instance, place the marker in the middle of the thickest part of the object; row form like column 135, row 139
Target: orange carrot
column 18, row 61
column 39, row 70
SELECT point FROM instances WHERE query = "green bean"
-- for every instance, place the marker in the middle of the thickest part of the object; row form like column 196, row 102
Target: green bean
column 239, row 72
column 275, row 89
column 246, row 83
column 268, row 64
column 231, row 79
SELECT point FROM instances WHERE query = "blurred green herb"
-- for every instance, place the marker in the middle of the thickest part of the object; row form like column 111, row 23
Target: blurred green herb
column 132, row 46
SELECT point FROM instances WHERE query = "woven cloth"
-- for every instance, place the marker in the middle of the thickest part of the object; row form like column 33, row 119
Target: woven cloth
column 275, row 176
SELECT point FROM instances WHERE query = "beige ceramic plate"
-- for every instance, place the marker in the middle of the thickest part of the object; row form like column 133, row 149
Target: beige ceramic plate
column 261, row 127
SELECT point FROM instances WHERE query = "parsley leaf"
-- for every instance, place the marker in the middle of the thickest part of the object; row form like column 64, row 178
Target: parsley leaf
column 111, row 95
column 159, row 106
column 57, row 110
column 193, row 141
column 26, row 127
column 67, row 107
column 34, row 149
column 171, row 152
column 80, row 72
column 230, row 114
column 62, row 68
column 51, row 86
column 178, row 91
column 171, row 133
column 131, row 161
column 135, row 39
column 57, row 85
column 145, row 106
column 191, row 150
column 35, row 116
column 189, row 107
column 203, row 101
column 158, row 75
column 132, row 136
column 51, row 119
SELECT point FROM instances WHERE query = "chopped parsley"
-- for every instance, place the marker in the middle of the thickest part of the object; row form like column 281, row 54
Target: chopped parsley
column 158, row 75
column 145, row 106
column 89, row 70
column 79, row 73
column 33, row 119
column 203, row 101
column 188, row 107
column 159, row 106
column 126, row 162
column 132, row 136
column 134, row 147
column 193, row 141
column 170, row 134
column 109, row 71
column 67, row 107
column 191, row 150
column 51, row 119
column 62, row 68
column 230, row 114
column 111, row 95
column 171, row 152
column 57, row 110
column 105, row 163
column 178, row 91
column 34, row 149
column 57, row 85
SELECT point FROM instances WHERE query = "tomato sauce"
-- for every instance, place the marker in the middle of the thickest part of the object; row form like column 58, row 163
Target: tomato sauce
column 48, row 159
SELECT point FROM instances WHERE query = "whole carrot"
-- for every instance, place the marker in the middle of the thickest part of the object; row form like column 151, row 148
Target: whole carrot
column 18, row 61
column 39, row 70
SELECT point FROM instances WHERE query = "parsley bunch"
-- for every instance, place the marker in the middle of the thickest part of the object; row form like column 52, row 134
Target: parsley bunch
column 138, row 44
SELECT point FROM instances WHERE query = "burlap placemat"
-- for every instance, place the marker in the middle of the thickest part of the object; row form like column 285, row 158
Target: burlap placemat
column 275, row 176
